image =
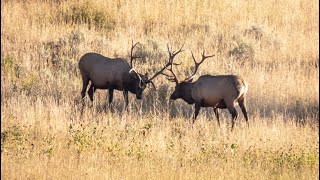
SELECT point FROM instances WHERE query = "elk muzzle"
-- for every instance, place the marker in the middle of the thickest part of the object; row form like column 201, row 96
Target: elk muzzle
column 173, row 96
column 139, row 95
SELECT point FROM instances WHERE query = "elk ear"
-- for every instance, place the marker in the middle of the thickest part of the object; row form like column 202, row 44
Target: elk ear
column 146, row 75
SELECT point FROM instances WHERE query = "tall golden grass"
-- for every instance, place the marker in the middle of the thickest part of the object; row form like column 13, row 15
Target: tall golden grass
column 271, row 44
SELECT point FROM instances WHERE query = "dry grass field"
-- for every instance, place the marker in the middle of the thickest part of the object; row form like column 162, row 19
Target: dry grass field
column 273, row 45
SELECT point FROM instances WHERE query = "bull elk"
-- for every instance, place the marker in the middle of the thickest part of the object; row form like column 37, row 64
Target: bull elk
column 113, row 74
column 219, row 92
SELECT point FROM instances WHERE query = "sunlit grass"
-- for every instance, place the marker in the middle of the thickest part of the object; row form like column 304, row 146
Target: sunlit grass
column 272, row 45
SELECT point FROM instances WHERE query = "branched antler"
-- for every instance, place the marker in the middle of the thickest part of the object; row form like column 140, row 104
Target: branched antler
column 168, row 64
column 197, row 64
column 131, row 54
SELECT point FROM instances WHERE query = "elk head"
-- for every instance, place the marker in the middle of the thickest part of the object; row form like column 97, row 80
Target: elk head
column 142, row 80
column 138, row 81
column 183, row 88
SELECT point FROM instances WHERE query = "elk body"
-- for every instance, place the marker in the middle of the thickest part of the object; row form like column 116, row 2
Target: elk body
column 219, row 92
column 112, row 74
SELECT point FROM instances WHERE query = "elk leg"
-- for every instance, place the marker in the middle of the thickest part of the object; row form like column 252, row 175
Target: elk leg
column 110, row 96
column 197, row 107
column 110, row 100
column 126, row 99
column 91, row 90
column 85, row 82
column 215, row 110
column 234, row 114
column 244, row 111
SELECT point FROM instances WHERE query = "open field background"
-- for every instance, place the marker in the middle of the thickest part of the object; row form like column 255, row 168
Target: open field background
column 271, row 44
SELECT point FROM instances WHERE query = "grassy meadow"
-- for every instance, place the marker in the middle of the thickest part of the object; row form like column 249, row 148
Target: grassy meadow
column 273, row 45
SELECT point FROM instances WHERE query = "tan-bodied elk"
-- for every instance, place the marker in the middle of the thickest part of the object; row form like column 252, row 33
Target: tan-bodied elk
column 219, row 92
column 113, row 74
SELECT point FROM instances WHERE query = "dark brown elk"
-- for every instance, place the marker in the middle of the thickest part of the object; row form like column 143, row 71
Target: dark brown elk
column 219, row 92
column 113, row 74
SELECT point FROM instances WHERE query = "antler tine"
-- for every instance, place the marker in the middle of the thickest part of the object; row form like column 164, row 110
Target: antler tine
column 169, row 64
column 131, row 54
column 194, row 59
column 169, row 51
column 166, row 74
column 173, row 54
column 172, row 78
column 179, row 51
column 153, row 85
column 205, row 57
column 197, row 64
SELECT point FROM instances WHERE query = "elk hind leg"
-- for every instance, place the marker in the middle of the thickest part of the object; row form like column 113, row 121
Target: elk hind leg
column 85, row 82
column 233, row 113
column 244, row 111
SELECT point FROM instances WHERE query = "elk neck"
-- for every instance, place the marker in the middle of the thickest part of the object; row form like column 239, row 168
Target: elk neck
column 186, row 93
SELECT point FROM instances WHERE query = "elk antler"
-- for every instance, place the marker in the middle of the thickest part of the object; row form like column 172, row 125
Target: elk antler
column 169, row 63
column 197, row 64
column 173, row 77
column 131, row 54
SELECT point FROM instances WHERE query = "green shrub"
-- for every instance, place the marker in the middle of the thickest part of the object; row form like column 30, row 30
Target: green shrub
column 243, row 52
column 9, row 67
column 150, row 52
column 30, row 84
column 63, row 53
column 91, row 14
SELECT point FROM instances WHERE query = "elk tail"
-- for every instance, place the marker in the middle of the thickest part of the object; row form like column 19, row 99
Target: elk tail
column 245, row 87
column 242, row 90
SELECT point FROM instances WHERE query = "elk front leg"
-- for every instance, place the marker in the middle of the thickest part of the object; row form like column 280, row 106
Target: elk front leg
column 110, row 96
column 197, row 107
column 234, row 115
column 215, row 110
column 126, row 99
column 91, row 90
